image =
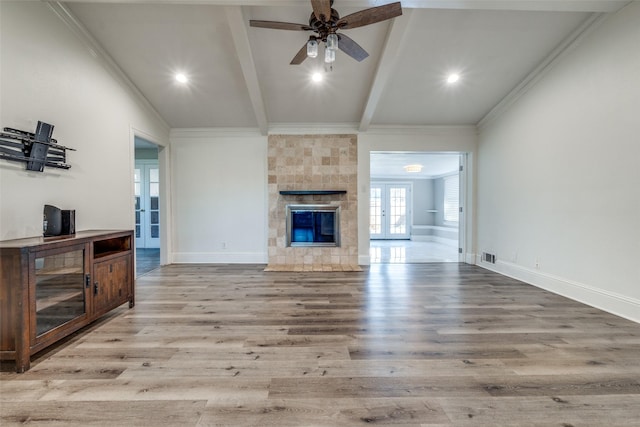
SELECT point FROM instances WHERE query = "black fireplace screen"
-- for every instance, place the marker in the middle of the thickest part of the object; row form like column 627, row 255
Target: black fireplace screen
column 313, row 225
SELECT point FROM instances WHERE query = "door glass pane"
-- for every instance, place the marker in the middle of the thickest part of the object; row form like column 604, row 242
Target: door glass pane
column 59, row 289
column 137, row 177
column 398, row 210
column 137, row 184
column 154, row 182
column 154, row 189
column 375, row 211
column 154, row 205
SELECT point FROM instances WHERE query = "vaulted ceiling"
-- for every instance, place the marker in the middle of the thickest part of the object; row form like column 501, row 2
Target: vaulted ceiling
column 239, row 76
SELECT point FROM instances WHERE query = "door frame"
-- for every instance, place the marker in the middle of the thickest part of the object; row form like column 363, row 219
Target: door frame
column 164, row 163
column 466, row 196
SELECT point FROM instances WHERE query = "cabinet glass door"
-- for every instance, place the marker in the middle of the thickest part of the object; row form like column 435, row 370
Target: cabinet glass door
column 59, row 289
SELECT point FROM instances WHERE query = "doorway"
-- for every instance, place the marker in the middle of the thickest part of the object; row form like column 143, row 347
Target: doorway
column 147, row 206
column 415, row 207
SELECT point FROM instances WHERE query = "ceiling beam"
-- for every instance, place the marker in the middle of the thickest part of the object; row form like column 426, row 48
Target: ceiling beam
column 238, row 26
column 531, row 5
column 390, row 51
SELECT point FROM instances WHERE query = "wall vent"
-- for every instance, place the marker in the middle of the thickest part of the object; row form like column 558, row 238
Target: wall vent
column 487, row 257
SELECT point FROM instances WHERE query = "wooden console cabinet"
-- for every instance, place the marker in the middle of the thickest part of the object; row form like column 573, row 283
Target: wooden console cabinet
column 51, row 287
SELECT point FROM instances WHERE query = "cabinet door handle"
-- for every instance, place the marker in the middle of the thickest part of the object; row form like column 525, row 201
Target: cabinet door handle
column 95, row 288
column 87, row 280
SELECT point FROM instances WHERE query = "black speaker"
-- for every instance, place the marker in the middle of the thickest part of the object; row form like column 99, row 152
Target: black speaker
column 69, row 221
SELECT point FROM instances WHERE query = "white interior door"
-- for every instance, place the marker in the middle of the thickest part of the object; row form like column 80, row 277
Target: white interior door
column 147, row 204
column 389, row 211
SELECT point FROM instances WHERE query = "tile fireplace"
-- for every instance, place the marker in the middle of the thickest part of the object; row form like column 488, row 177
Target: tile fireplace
column 313, row 206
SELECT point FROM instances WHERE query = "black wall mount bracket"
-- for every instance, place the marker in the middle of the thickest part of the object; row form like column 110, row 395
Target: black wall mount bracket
column 37, row 149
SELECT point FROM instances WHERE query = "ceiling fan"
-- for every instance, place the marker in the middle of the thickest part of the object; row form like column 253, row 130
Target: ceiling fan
column 325, row 22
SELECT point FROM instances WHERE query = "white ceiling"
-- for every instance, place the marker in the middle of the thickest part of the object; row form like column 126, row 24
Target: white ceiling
column 240, row 76
column 391, row 165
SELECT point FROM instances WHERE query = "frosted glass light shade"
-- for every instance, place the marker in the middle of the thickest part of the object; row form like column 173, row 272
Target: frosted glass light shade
column 332, row 42
column 312, row 48
column 329, row 56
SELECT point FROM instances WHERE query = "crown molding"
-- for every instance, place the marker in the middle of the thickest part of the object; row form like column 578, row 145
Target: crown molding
column 177, row 134
column 97, row 51
column 317, row 129
column 312, row 128
column 421, row 130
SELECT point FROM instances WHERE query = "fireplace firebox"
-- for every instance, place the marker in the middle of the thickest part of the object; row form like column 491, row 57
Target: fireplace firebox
column 313, row 225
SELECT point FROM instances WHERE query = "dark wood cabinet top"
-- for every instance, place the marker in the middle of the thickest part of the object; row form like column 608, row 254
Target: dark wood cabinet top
column 80, row 236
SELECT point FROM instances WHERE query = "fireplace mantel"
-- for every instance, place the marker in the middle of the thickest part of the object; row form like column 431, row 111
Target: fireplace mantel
column 310, row 192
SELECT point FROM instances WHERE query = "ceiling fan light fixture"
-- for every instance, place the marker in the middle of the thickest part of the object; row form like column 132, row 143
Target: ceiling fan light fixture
column 316, row 77
column 329, row 56
column 413, row 168
column 312, row 48
column 326, row 21
column 332, row 41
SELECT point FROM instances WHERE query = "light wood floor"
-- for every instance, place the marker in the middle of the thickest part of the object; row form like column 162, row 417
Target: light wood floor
column 403, row 345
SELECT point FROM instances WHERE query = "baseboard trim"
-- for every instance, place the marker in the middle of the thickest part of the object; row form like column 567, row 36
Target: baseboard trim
column 219, row 257
column 470, row 259
column 436, row 239
column 611, row 302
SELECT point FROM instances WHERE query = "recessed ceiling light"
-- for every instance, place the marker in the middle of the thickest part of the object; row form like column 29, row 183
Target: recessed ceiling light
column 316, row 77
column 452, row 78
column 181, row 78
column 413, row 168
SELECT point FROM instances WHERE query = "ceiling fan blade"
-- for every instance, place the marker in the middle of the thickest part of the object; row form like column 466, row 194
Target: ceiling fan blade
column 370, row 16
column 351, row 48
column 280, row 25
column 300, row 56
column 322, row 8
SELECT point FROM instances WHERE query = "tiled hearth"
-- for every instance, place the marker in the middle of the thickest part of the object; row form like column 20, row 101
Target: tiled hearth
column 313, row 162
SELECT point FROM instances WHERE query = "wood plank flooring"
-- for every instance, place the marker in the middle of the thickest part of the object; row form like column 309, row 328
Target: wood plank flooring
column 398, row 345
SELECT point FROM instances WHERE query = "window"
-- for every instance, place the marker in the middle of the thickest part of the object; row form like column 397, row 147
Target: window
column 451, row 198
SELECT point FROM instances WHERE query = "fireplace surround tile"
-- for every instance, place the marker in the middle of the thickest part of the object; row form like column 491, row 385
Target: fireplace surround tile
column 312, row 162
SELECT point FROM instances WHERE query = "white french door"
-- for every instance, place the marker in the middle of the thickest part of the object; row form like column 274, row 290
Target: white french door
column 147, row 203
column 389, row 211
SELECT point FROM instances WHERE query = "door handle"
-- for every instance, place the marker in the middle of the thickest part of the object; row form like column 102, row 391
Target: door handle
column 95, row 288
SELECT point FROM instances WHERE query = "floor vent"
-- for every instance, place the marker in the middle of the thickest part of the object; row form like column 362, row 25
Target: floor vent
column 487, row 257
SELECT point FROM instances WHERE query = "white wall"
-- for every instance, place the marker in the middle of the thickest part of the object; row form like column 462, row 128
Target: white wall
column 219, row 188
column 428, row 139
column 219, row 196
column 558, row 175
column 48, row 74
